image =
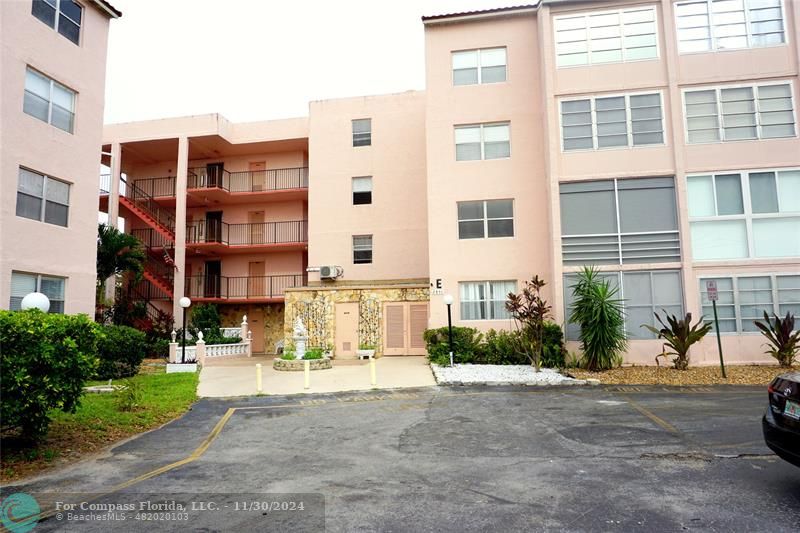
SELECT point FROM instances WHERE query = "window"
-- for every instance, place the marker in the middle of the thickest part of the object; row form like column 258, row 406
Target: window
column 743, row 299
column 737, row 113
column 49, row 101
column 64, row 15
column 643, row 293
column 485, row 300
column 23, row 284
column 362, row 132
column 362, row 190
column 627, row 120
column 42, row 198
column 619, row 222
column 487, row 65
column 706, row 25
column 362, row 249
column 492, row 218
column 483, row 141
column 736, row 215
column 606, row 37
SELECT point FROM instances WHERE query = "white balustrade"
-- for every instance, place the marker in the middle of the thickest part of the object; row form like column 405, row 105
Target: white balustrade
column 231, row 332
column 222, row 350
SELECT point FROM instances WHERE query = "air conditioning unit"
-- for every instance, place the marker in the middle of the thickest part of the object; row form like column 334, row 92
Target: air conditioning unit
column 330, row 272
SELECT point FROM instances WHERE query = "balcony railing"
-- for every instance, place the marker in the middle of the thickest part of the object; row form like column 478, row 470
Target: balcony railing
column 157, row 187
column 247, row 234
column 105, row 183
column 243, row 287
column 280, row 179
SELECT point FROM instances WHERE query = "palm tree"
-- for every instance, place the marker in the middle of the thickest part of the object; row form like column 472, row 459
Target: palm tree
column 117, row 253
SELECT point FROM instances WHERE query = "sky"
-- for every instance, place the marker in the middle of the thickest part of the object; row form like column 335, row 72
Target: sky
column 263, row 59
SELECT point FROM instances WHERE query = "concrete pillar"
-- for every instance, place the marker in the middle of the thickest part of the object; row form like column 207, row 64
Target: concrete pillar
column 113, row 208
column 180, row 229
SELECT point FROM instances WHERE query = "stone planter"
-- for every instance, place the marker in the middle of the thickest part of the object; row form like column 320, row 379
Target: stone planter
column 365, row 354
column 297, row 365
column 178, row 367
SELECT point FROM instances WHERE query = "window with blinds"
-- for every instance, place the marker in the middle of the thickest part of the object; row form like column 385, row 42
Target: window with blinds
column 612, row 122
column 486, row 65
column 485, row 300
column 49, row 101
column 362, row 190
column 709, row 25
column 625, row 221
column 606, row 37
column 362, row 249
column 745, row 214
column 362, row 132
column 23, row 283
column 739, row 113
column 743, row 299
column 42, row 198
column 483, row 141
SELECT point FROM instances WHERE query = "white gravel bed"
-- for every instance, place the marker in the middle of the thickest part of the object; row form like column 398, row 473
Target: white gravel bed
column 500, row 375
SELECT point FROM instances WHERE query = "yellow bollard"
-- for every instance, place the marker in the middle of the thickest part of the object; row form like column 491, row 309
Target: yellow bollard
column 258, row 378
column 307, row 374
column 372, row 375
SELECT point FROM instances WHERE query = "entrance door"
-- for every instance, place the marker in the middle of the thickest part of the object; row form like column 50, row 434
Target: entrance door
column 256, row 282
column 404, row 323
column 213, row 279
column 214, row 226
column 214, row 173
column 256, row 221
column 255, row 319
column 258, row 173
column 346, row 330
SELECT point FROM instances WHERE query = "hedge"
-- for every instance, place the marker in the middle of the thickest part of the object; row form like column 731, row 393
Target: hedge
column 120, row 350
column 45, row 360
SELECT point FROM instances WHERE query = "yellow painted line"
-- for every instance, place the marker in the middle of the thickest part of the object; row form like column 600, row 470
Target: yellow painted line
column 653, row 417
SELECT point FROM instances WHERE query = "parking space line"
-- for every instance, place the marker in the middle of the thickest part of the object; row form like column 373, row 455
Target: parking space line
column 652, row 416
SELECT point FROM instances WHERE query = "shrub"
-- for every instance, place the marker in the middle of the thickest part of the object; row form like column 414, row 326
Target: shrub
column 45, row 362
column 121, row 350
column 503, row 348
column 130, row 397
column 205, row 318
column 530, row 311
column 783, row 344
column 679, row 334
column 553, row 351
column 598, row 311
column 313, row 353
column 366, row 346
column 466, row 345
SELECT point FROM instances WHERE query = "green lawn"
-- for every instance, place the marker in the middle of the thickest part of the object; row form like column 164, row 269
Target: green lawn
column 99, row 422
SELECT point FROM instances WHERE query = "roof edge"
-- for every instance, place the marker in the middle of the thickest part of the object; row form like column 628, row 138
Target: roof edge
column 107, row 8
column 481, row 13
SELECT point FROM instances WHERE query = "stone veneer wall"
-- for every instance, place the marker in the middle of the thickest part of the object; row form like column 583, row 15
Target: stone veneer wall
column 316, row 307
column 232, row 314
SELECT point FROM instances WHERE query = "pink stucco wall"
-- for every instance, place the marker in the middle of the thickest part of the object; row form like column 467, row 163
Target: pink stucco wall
column 27, row 245
column 397, row 217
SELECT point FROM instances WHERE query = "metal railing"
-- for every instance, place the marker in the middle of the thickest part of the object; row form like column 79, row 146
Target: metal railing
column 146, row 203
column 157, row 187
column 105, row 183
column 247, row 234
column 242, row 287
column 147, row 291
column 279, row 179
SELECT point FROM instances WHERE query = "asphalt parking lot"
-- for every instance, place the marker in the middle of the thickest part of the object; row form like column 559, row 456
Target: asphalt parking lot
column 456, row 459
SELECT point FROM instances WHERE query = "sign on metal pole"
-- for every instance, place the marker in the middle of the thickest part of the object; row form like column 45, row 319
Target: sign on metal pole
column 713, row 296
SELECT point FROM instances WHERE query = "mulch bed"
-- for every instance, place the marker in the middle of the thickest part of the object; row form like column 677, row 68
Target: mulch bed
column 706, row 375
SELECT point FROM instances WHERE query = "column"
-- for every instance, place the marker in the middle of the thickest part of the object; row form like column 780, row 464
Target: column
column 180, row 229
column 113, row 207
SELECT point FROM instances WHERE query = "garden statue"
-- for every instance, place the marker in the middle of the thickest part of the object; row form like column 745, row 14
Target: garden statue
column 300, row 337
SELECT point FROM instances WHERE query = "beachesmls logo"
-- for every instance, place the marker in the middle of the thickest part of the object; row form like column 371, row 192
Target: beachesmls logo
column 19, row 512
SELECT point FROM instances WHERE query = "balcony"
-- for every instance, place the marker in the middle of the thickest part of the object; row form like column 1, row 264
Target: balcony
column 222, row 237
column 209, row 184
column 263, row 289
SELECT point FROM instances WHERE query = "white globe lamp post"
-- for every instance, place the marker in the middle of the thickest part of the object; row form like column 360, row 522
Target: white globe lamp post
column 184, row 302
column 36, row 300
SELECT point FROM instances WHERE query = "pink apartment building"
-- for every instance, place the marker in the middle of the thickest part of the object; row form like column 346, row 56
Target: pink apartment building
column 52, row 66
column 657, row 140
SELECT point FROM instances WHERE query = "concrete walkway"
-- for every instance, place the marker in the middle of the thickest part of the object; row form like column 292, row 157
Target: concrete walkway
column 237, row 376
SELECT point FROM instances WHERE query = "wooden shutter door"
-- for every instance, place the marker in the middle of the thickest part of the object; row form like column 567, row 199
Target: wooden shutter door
column 394, row 330
column 418, row 323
